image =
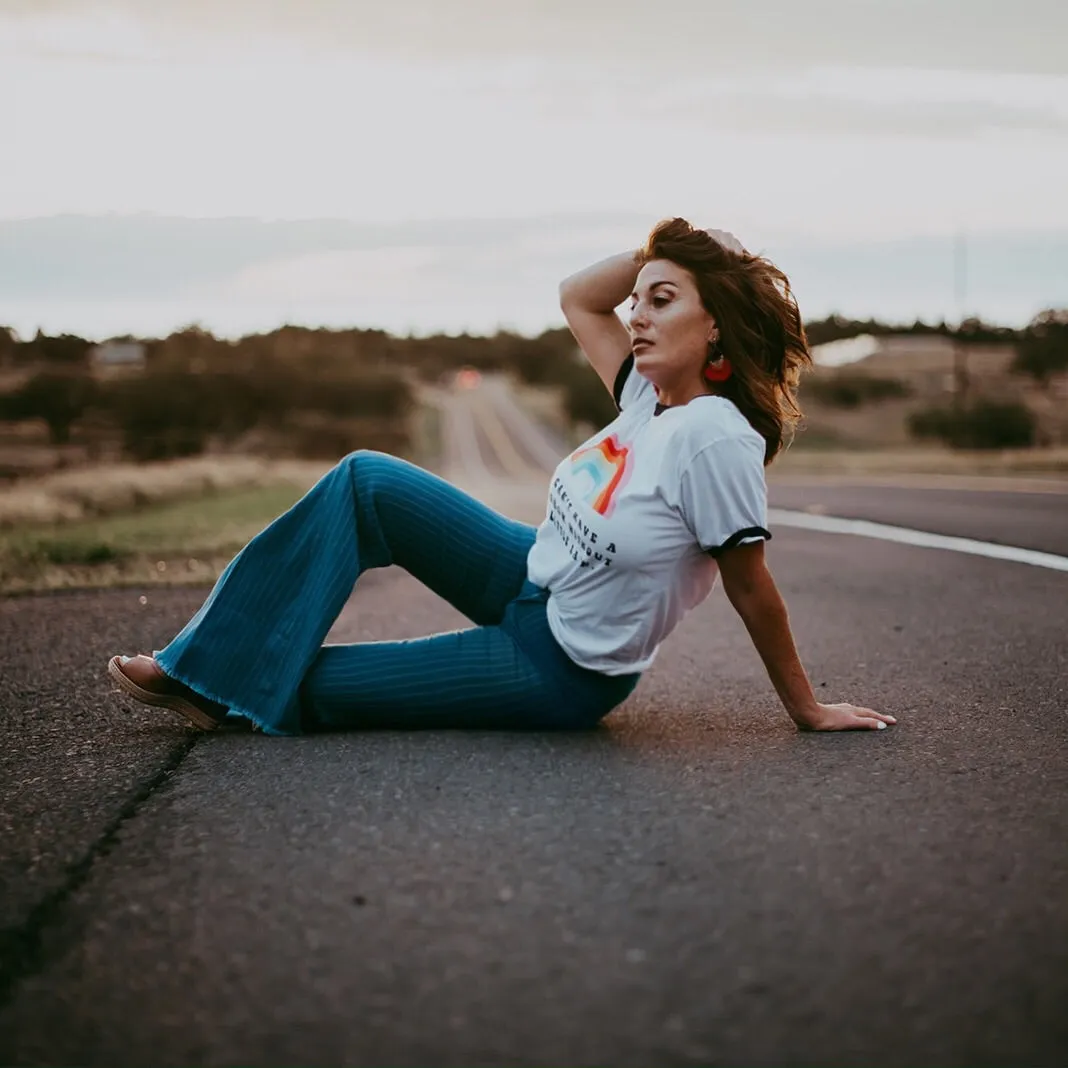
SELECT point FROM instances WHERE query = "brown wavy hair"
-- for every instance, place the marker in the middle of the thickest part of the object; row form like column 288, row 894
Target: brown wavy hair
column 760, row 327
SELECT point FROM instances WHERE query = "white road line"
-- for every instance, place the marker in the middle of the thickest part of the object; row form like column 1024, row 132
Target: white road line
column 464, row 440
column 507, row 455
column 526, row 428
column 864, row 528
column 955, row 483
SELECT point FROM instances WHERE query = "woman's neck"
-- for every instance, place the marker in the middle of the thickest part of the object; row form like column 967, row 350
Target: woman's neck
column 677, row 394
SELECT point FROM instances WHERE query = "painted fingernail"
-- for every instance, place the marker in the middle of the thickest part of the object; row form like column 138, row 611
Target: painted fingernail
column 880, row 726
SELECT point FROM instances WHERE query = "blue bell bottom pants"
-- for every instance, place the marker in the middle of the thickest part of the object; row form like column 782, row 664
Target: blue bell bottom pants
column 256, row 644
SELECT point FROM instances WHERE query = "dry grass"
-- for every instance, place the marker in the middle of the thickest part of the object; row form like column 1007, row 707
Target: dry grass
column 174, row 543
column 926, row 365
column 71, row 495
column 134, row 571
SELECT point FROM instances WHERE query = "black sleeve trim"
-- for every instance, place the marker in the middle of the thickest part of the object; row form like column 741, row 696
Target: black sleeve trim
column 738, row 536
column 621, row 380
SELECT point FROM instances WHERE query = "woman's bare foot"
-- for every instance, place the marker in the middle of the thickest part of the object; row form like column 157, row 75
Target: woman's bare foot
column 142, row 678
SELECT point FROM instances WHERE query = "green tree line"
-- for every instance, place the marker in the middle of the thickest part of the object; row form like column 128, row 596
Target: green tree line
column 335, row 388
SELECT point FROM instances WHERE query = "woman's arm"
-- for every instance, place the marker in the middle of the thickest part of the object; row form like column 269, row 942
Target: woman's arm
column 754, row 595
column 589, row 300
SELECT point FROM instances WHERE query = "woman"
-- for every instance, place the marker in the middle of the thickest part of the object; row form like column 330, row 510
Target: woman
column 640, row 520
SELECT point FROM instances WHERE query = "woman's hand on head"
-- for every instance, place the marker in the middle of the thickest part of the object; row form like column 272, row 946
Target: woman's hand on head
column 844, row 717
column 727, row 240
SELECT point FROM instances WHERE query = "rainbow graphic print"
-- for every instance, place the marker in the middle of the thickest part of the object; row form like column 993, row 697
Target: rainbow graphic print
column 603, row 468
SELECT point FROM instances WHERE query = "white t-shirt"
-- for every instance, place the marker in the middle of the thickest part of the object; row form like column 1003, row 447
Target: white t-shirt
column 635, row 518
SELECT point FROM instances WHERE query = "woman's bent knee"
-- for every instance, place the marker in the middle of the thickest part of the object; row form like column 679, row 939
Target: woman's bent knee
column 368, row 464
column 359, row 458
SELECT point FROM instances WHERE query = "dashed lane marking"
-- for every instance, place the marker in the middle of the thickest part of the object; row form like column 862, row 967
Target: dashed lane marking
column 513, row 464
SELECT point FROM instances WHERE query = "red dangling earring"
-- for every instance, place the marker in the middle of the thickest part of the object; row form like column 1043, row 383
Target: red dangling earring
column 718, row 368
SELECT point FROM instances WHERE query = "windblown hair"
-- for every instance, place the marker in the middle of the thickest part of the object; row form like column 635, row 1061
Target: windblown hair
column 760, row 327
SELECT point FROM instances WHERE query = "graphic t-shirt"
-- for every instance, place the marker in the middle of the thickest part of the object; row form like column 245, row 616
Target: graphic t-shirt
column 636, row 517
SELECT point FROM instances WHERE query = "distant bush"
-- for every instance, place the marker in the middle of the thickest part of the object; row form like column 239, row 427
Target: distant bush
column 65, row 348
column 852, row 390
column 585, row 398
column 8, row 344
column 311, row 435
column 544, row 360
column 1043, row 349
column 342, row 395
column 174, row 413
column 974, row 331
column 164, row 414
column 982, row 425
column 59, row 397
column 75, row 552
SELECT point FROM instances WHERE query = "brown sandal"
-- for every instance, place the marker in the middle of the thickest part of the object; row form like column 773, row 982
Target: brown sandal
column 154, row 687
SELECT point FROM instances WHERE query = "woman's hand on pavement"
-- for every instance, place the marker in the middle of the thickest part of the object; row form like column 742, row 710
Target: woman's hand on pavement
column 844, row 717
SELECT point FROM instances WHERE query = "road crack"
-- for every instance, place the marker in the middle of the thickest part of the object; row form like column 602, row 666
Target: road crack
column 22, row 951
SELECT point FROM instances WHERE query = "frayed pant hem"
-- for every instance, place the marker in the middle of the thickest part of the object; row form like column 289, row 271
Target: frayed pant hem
column 235, row 707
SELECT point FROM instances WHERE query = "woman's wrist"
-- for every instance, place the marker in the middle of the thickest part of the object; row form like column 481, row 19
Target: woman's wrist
column 804, row 714
column 765, row 617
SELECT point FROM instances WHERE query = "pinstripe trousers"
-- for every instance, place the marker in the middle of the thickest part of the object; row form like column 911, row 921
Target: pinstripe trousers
column 256, row 643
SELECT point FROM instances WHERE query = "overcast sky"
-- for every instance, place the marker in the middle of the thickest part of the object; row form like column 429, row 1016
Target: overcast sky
column 786, row 121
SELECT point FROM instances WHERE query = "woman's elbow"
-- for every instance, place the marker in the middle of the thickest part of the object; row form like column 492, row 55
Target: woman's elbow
column 743, row 598
column 751, row 591
column 566, row 292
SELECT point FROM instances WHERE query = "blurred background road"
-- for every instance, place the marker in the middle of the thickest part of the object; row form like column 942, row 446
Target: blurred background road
column 492, row 442
column 694, row 882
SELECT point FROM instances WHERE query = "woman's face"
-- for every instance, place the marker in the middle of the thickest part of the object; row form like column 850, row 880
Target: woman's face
column 669, row 326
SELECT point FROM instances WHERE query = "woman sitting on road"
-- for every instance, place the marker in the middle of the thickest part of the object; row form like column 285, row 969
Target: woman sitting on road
column 567, row 616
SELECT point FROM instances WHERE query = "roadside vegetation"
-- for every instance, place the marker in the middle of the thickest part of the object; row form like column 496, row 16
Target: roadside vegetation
column 109, row 489
column 157, row 466
column 126, row 524
column 184, row 542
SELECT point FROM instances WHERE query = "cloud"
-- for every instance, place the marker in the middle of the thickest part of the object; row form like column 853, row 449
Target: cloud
column 566, row 109
column 147, row 256
column 872, row 102
column 103, row 276
column 148, row 275
column 668, row 37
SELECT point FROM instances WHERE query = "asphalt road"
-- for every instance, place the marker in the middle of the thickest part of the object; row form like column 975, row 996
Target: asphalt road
column 692, row 883
column 1030, row 519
